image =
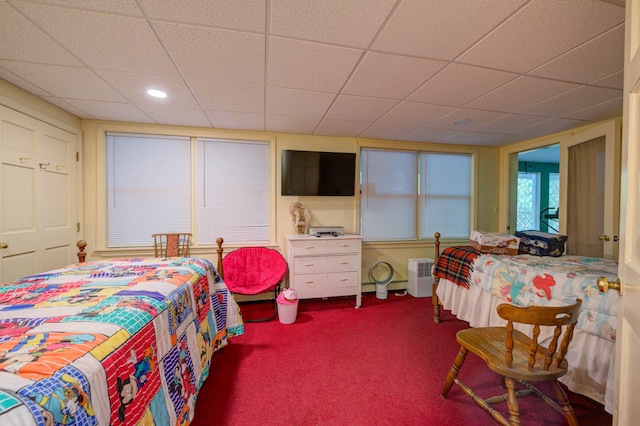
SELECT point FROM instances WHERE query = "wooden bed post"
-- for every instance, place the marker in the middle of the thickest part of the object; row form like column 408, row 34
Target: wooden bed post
column 81, row 254
column 436, row 280
column 220, row 240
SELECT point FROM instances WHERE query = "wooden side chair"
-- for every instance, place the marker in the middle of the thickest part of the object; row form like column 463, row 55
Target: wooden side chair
column 174, row 244
column 519, row 358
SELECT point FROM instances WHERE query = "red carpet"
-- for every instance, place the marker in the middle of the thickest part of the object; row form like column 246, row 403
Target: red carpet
column 382, row 364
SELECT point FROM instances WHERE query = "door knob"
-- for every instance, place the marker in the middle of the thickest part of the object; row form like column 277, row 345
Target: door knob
column 604, row 285
column 4, row 245
column 604, row 238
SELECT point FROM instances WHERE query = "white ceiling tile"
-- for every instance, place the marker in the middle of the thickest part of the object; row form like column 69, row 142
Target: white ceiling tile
column 520, row 94
column 348, row 23
column 477, row 138
column 573, row 100
column 225, row 56
column 22, row 83
column 428, row 134
column 414, row 114
column 330, row 127
column 176, row 116
column 122, row 7
column 542, row 30
column 236, row 120
column 310, row 66
column 577, row 65
column 441, row 29
column 476, row 117
column 23, row 41
column 387, row 131
column 459, row 84
column 291, row 124
column 609, row 109
column 101, row 40
column 134, row 87
column 113, row 111
column 68, row 107
column 615, row 81
column 247, row 15
column 358, row 108
column 390, row 76
column 509, row 123
column 548, row 127
column 65, row 82
column 233, row 97
column 301, row 103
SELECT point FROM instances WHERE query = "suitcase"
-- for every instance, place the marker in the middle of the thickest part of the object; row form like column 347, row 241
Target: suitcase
column 541, row 243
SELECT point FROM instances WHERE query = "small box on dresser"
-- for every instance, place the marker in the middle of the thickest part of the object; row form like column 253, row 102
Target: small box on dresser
column 325, row 266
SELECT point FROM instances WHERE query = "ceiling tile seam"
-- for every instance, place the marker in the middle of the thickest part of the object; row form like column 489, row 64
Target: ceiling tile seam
column 568, row 115
column 175, row 65
column 363, row 55
column 80, row 8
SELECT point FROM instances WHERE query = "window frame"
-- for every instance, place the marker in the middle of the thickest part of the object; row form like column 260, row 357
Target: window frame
column 193, row 134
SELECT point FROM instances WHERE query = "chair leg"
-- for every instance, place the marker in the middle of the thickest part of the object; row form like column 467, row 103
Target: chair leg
column 567, row 409
column 512, row 401
column 453, row 373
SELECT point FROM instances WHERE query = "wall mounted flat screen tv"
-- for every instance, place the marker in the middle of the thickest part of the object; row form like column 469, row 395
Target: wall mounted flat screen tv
column 318, row 173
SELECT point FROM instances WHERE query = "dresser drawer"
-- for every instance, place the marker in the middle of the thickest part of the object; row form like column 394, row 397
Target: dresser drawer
column 322, row 264
column 308, row 285
column 313, row 246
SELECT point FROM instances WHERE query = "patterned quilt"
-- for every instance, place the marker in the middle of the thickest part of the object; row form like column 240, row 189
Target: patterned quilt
column 526, row 280
column 124, row 341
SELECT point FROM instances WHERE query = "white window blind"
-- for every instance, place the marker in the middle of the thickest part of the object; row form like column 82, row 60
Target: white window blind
column 232, row 191
column 148, row 187
column 389, row 187
column 445, row 195
column 410, row 195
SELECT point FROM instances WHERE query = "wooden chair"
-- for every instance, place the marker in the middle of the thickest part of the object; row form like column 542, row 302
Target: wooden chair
column 255, row 270
column 174, row 244
column 519, row 358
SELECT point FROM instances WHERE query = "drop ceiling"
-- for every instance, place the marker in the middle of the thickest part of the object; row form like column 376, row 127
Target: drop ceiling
column 490, row 72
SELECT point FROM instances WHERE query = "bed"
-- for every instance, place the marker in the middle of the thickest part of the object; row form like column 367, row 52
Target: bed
column 472, row 284
column 119, row 341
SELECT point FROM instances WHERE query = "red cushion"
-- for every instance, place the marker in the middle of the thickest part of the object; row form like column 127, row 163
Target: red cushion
column 253, row 270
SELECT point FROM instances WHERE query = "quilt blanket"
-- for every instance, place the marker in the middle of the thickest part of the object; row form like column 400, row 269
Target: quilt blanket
column 526, row 280
column 123, row 341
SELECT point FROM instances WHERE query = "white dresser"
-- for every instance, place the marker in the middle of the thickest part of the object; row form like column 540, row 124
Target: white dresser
column 325, row 266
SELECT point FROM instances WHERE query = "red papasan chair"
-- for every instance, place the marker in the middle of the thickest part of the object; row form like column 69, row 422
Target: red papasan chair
column 255, row 270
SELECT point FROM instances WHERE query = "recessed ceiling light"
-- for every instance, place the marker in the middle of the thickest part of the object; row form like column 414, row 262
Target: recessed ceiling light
column 462, row 121
column 157, row 93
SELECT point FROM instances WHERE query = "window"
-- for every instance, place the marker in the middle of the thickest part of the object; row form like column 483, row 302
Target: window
column 528, row 201
column 210, row 187
column 409, row 195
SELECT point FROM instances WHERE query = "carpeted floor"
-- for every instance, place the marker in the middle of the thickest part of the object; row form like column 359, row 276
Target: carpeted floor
column 382, row 364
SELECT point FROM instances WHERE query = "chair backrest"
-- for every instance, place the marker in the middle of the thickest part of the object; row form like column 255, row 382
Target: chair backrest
column 552, row 316
column 174, row 244
column 253, row 270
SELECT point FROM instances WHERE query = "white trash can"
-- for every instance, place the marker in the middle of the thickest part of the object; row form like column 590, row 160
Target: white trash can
column 287, row 306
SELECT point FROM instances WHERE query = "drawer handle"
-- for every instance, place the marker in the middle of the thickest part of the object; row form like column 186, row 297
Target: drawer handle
column 344, row 263
column 345, row 279
column 309, row 282
column 308, row 265
column 309, row 247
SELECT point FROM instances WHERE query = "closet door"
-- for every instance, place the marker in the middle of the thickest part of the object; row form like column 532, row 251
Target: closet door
column 590, row 191
column 38, row 195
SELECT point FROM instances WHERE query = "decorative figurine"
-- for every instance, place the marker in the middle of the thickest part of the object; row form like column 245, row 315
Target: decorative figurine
column 301, row 218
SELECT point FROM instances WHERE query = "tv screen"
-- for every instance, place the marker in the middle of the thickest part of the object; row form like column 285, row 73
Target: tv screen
column 318, row 173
